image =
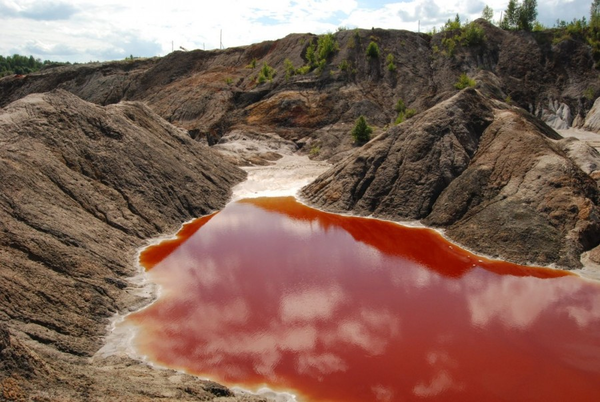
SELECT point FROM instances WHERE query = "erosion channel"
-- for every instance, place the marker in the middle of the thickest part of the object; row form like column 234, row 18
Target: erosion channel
column 325, row 307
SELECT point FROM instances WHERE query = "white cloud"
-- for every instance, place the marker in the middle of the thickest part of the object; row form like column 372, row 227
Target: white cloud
column 83, row 30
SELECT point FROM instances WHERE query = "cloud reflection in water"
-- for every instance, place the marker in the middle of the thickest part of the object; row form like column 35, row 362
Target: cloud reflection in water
column 350, row 309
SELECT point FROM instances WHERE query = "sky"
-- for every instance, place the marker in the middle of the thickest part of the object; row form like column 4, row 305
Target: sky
column 85, row 30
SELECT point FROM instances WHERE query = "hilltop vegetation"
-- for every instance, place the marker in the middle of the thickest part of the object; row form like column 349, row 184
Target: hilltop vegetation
column 17, row 64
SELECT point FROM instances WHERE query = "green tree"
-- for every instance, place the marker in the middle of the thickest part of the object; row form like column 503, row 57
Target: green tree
column 403, row 112
column 361, row 132
column 390, row 62
column 520, row 15
column 373, row 50
column 464, row 82
column 266, row 73
column 595, row 15
column 511, row 15
column 311, row 56
column 452, row 25
column 290, row 70
column 17, row 64
column 487, row 14
column 527, row 14
column 326, row 46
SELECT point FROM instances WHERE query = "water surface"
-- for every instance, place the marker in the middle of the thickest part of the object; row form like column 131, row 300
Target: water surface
column 333, row 308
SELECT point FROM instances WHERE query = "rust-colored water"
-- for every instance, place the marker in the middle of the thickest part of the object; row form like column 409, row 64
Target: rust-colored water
column 333, row 308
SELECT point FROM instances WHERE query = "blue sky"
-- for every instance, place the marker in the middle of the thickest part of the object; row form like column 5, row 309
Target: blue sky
column 85, row 30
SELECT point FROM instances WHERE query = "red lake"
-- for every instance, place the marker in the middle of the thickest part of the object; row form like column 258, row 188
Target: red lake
column 269, row 292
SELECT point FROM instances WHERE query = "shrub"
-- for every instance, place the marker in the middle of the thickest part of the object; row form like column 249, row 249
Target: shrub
column 390, row 62
column 589, row 94
column 452, row 25
column 361, row 132
column 290, row 70
column 311, row 57
column 373, row 50
column 266, row 73
column 403, row 112
column 316, row 56
column 464, row 82
column 400, row 106
column 354, row 39
column 303, row 70
column 403, row 116
column 450, row 45
column 252, row 64
column 472, row 35
column 344, row 65
column 321, row 65
column 326, row 46
column 315, row 150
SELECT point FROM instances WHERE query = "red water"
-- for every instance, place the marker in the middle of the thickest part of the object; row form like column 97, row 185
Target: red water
column 334, row 308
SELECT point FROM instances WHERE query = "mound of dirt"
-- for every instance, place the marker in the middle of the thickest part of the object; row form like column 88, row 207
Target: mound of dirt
column 84, row 186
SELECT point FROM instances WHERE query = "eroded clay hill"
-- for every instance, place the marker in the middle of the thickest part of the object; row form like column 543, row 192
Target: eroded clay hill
column 212, row 93
column 83, row 186
column 499, row 180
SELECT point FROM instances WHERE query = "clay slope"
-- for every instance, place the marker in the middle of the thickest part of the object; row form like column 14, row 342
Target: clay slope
column 498, row 179
column 82, row 188
column 212, row 93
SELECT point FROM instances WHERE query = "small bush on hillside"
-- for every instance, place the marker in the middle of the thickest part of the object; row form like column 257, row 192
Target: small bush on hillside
column 472, row 35
column 290, row 70
column 390, row 62
column 449, row 44
column 469, row 34
column 315, row 150
column 403, row 116
column 266, row 73
column 316, row 55
column 589, row 94
column 451, row 25
column 361, row 132
column 373, row 50
column 400, row 106
column 403, row 112
column 344, row 65
column 464, row 82
column 252, row 64
column 311, row 57
column 326, row 46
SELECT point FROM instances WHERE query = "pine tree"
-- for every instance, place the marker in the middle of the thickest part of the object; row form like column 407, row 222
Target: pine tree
column 595, row 15
column 510, row 15
column 487, row 14
column 527, row 14
column 361, row 131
